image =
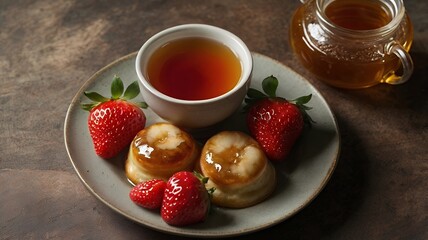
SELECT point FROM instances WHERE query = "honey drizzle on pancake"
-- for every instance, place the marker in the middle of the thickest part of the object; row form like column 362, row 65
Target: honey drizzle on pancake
column 234, row 159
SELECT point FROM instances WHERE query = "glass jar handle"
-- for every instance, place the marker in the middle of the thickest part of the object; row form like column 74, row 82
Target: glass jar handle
column 406, row 62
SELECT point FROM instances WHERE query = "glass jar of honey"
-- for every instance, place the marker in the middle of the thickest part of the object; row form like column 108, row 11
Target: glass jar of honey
column 353, row 43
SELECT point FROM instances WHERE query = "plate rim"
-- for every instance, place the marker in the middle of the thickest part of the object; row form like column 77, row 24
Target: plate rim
column 182, row 231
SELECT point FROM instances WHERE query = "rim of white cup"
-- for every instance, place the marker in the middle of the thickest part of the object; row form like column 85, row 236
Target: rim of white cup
column 246, row 70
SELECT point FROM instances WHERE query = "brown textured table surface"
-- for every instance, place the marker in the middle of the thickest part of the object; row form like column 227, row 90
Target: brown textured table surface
column 48, row 49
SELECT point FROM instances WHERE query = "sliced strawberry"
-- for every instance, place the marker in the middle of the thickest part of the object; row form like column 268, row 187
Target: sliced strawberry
column 114, row 122
column 275, row 122
column 186, row 201
column 148, row 194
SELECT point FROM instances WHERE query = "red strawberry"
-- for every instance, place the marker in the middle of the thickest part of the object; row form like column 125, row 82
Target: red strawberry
column 275, row 122
column 186, row 201
column 148, row 194
column 114, row 122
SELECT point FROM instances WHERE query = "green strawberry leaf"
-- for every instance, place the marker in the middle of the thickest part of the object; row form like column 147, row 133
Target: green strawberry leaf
column 142, row 104
column 254, row 93
column 307, row 118
column 211, row 191
column 304, row 107
column 131, row 91
column 269, row 85
column 303, row 99
column 96, row 97
column 300, row 103
column 116, row 88
column 250, row 101
column 88, row 106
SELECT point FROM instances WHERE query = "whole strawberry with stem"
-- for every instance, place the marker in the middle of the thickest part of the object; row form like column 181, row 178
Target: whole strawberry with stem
column 148, row 194
column 113, row 122
column 186, row 200
column 275, row 122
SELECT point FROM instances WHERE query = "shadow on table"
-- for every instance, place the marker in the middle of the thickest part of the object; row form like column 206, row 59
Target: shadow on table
column 341, row 197
column 409, row 96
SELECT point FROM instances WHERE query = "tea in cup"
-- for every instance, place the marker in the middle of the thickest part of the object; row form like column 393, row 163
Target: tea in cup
column 353, row 43
column 194, row 68
column 194, row 75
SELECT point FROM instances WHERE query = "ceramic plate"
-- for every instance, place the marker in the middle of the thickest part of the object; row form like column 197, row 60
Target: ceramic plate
column 300, row 178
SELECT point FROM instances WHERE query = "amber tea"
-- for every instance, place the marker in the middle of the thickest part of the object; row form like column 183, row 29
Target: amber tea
column 194, row 68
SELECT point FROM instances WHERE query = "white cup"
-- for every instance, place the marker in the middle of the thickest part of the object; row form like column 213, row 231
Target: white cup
column 194, row 113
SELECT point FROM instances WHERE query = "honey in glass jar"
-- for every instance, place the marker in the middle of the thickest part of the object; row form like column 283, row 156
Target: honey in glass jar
column 353, row 43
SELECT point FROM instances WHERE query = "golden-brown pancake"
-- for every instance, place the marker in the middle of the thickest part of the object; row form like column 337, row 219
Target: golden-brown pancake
column 159, row 151
column 238, row 169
